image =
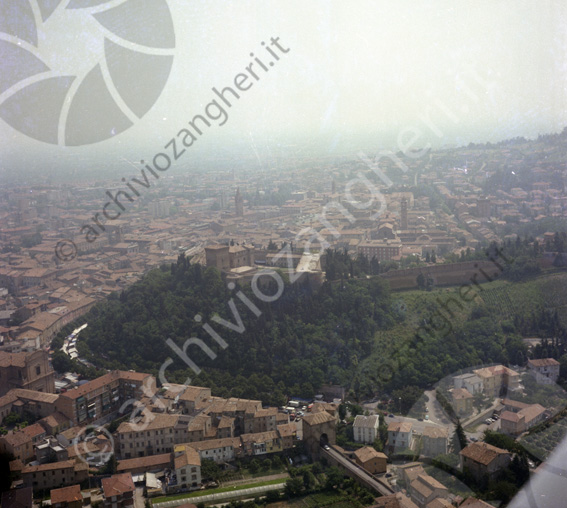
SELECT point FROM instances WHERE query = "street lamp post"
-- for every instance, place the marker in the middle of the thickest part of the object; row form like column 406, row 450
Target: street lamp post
column 400, row 399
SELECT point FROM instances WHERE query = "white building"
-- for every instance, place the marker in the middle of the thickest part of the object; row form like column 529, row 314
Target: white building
column 187, row 467
column 545, row 370
column 470, row 382
column 400, row 436
column 365, row 428
column 218, row 450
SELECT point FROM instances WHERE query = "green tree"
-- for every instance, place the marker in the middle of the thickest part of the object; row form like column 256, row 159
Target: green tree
column 459, row 440
column 335, row 478
column 293, row 487
column 309, row 480
column 210, row 469
column 111, row 466
column 254, row 466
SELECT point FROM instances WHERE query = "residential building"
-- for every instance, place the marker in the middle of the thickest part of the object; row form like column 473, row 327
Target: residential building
column 434, row 441
column 21, row 442
column 365, row 428
column 484, row 461
column 40, row 404
column 372, row 461
column 261, row 443
column 261, row 420
column 187, row 398
column 409, row 472
column 218, row 450
column 118, row 491
column 400, row 436
column 199, row 428
column 187, row 465
column 55, row 423
column 498, row 378
column 544, row 370
column 225, row 427
column 54, row 475
column 49, row 449
column 470, row 382
column 140, row 465
column 67, row 497
column 288, row 434
column 462, row 401
column 242, row 410
column 103, row 396
column 157, row 435
column 519, row 417
column 425, row 489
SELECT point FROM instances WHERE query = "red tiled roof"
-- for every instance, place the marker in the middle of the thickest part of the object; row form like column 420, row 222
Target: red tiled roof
column 483, row 453
column 117, row 485
column 66, row 495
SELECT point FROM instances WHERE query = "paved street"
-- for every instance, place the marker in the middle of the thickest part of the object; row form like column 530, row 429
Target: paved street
column 436, row 415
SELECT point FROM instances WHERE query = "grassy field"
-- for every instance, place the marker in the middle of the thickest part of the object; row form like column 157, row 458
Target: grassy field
column 506, row 298
column 217, row 491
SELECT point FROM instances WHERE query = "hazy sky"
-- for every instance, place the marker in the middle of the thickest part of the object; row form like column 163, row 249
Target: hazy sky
column 357, row 72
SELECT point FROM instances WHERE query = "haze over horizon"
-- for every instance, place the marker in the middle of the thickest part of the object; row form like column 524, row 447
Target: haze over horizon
column 368, row 75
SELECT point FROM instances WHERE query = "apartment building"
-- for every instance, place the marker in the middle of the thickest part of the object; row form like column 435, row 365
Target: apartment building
column 157, row 434
column 262, row 420
column 365, row 428
column 55, row 475
column 498, row 378
column 218, row 450
column 103, row 396
column 434, row 441
column 187, row 465
column 400, row 436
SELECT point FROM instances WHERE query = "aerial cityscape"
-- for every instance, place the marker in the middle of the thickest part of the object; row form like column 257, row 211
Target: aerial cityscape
column 351, row 295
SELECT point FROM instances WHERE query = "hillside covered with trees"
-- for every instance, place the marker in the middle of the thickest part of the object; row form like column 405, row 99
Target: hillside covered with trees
column 353, row 332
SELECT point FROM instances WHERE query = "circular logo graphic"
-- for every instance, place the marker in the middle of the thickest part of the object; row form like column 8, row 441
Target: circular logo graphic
column 94, row 445
column 77, row 72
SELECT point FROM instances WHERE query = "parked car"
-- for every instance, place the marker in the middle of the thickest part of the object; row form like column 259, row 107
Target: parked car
column 390, row 415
